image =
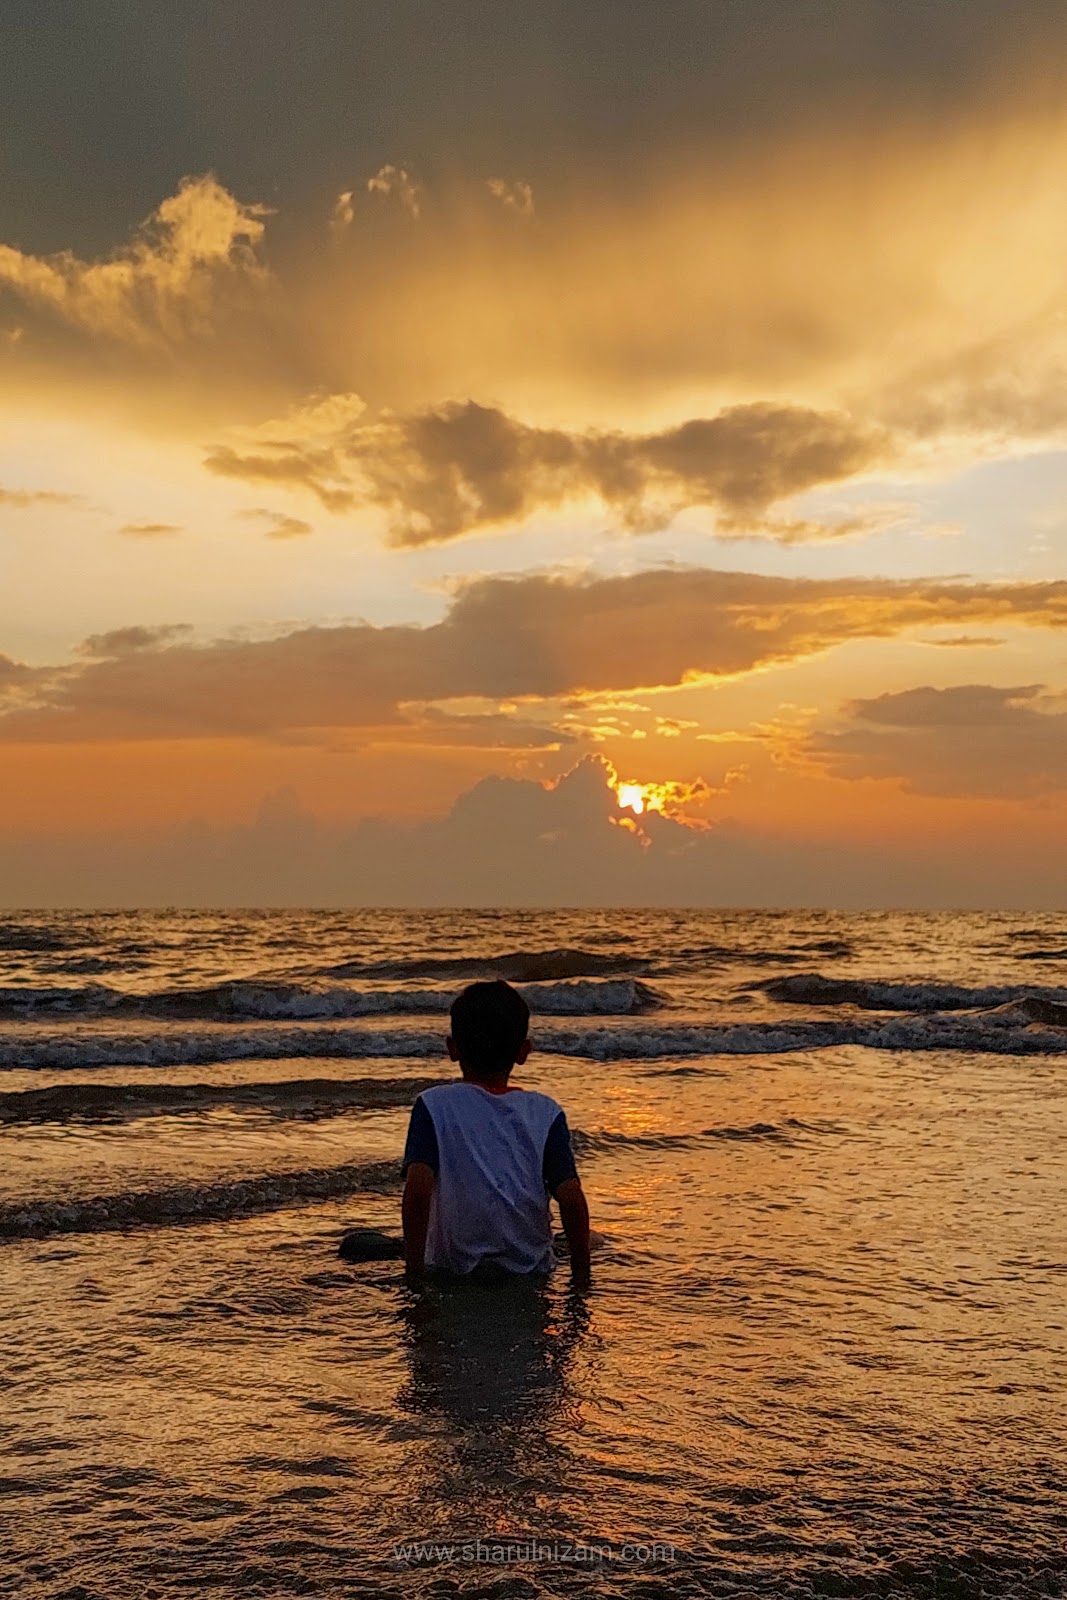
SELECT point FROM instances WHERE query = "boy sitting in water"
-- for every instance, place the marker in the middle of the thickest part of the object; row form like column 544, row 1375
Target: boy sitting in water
column 483, row 1156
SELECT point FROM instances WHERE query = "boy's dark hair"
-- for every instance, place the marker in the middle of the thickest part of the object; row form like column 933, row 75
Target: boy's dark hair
column 490, row 1022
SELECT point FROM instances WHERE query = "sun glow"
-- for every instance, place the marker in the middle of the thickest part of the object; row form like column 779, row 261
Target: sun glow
column 640, row 797
column 671, row 799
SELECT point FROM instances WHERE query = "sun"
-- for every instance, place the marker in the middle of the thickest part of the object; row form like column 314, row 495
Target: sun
column 631, row 797
column 672, row 799
column 642, row 797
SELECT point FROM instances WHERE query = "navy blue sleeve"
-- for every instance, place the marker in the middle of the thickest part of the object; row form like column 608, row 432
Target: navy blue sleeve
column 422, row 1138
column 558, row 1163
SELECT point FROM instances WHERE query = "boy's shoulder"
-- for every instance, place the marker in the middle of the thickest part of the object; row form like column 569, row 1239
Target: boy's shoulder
column 530, row 1100
column 544, row 1100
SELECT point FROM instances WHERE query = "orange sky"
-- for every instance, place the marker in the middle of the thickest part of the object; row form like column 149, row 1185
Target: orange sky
column 695, row 402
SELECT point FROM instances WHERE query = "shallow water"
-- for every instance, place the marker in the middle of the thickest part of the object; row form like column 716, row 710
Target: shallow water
column 826, row 1346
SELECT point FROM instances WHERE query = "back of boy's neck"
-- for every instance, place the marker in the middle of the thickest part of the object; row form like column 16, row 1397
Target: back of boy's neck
column 496, row 1082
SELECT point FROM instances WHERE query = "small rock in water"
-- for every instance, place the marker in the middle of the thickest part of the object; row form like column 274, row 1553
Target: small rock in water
column 368, row 1244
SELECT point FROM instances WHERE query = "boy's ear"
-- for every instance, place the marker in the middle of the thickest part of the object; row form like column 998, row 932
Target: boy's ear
column 524, row 1051
column 453, row 1053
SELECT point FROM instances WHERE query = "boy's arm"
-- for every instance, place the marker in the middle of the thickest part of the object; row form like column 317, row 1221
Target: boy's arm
column 415, row 1214
column 574, row 1215
column 420, row 1172
column 561, row 1180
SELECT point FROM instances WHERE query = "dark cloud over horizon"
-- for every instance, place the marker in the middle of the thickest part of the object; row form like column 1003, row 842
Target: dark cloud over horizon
column 515, row 842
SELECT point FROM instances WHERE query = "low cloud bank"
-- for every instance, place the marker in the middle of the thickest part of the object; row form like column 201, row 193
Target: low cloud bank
column 517, row 843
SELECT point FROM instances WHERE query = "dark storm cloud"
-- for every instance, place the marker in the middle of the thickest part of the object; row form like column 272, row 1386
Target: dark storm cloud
column 974, row 739
column 587, row 211
column 502, row 639
column 107, row 102
column 462, row 466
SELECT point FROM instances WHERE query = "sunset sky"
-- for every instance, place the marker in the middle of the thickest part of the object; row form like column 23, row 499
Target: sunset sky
column 421, row 417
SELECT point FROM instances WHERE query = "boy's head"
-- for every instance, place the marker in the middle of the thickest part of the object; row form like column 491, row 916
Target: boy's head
column 489, row 1027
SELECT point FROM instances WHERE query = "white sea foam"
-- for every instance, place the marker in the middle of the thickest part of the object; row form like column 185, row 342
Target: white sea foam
column 1007, row 1031
column 616, row 997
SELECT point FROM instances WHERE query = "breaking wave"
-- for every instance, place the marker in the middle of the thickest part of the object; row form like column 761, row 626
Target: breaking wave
column 290, row 1001
column 812, row 989
column 1008, row 1030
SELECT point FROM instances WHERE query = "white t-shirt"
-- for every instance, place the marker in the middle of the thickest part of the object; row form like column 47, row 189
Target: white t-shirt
column 490, row 1200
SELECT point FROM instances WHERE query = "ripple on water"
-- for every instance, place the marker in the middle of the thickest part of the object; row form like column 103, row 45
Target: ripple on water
column 823, row 1354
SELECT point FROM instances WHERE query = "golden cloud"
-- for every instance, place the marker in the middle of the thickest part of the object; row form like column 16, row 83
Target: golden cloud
column 506, row 640
column 160, row 288
column 462, row 467
column 834, row 272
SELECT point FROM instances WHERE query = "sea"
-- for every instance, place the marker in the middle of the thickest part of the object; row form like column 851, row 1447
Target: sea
column 825, row 1347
